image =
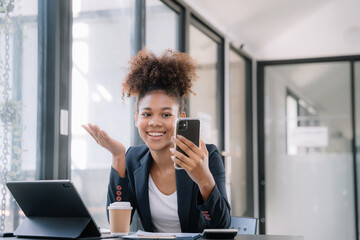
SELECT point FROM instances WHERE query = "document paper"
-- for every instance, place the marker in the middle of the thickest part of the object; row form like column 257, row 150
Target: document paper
column 154, row 235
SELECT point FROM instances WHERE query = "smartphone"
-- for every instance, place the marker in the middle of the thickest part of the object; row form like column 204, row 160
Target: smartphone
column 190, row 129
column 219, row 233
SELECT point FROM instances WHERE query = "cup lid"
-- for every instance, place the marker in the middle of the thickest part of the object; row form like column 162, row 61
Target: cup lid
column 120, row 205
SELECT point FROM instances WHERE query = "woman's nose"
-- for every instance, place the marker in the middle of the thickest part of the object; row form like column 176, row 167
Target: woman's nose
column 155, row 121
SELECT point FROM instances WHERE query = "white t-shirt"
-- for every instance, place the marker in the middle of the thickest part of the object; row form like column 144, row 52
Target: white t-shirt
column 163, row 209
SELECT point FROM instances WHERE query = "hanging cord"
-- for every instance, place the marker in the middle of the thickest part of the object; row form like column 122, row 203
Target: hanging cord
column 7, row 6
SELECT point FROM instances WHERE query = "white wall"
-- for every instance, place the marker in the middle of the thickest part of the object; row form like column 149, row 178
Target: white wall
column 334, row 29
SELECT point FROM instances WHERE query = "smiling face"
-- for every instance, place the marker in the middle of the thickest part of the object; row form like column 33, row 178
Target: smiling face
column 155, row 120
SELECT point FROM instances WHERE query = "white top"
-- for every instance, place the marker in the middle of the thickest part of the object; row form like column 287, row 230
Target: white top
column 163, row 209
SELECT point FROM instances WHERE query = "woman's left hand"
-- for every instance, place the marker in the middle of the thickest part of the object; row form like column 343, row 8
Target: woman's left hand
column 196, row 164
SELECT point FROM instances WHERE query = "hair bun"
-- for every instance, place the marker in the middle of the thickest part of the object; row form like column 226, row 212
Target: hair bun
column 172, row 72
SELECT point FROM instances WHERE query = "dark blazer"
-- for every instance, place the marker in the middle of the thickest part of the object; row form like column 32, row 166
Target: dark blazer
column 134, row 188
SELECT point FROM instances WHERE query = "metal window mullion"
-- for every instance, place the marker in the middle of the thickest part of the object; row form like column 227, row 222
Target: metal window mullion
column 249, row 138
column 138, row 42
column 220, row 93
column 64, row 83
column 44, row 168
column 261, row 145
column 184, row 23
column 353, row 123
column 54, row 61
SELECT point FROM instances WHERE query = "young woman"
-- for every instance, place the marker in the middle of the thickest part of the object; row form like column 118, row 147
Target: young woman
column 167, row 200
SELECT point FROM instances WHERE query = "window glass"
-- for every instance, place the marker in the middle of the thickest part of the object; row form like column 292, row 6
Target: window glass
column 162, row 27
column 236, row 168
column 204, row 105
column 18, row 101
column 101, row 50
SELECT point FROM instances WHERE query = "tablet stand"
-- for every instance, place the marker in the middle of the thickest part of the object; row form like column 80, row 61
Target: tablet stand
column 54, row 227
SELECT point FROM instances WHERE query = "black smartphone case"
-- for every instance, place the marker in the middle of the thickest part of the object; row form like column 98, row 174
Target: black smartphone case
column 191, row 131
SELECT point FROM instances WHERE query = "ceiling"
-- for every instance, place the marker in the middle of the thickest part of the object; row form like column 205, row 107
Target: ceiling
column 286, row 29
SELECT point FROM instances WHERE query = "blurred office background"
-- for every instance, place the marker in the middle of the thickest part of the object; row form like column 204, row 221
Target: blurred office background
column 279, row 94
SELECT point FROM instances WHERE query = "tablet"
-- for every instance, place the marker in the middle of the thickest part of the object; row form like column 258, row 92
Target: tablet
column 53, row 208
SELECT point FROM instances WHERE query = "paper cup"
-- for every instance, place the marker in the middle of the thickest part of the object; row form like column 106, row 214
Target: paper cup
column 120, row 216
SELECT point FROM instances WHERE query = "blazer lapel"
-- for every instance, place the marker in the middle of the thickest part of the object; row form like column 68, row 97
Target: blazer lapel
column 184, row 188
column 141, row 179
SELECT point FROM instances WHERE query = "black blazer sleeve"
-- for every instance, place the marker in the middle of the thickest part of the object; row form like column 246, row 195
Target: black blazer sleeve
column 216, row 205
column 118, row 189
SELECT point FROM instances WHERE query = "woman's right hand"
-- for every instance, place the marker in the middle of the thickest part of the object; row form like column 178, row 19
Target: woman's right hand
column 116, row 148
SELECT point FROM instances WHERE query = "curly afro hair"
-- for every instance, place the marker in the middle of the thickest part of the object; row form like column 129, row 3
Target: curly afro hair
column 171, row 72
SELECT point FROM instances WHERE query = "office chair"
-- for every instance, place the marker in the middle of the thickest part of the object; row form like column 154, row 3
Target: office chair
column 244, row 225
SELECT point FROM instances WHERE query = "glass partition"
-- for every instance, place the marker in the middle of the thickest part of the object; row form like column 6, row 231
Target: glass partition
column 18, row 101
column 308, row 151
column 101, row 50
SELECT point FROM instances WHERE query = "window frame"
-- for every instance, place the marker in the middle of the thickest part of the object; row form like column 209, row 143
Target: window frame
column 54, row 88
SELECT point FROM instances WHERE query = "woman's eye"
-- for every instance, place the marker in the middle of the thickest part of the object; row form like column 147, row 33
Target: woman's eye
column 166, row 114
column 145, row 114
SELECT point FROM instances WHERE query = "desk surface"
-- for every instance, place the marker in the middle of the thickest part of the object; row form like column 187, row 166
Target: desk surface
column 268, row 237
column 238, row 237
